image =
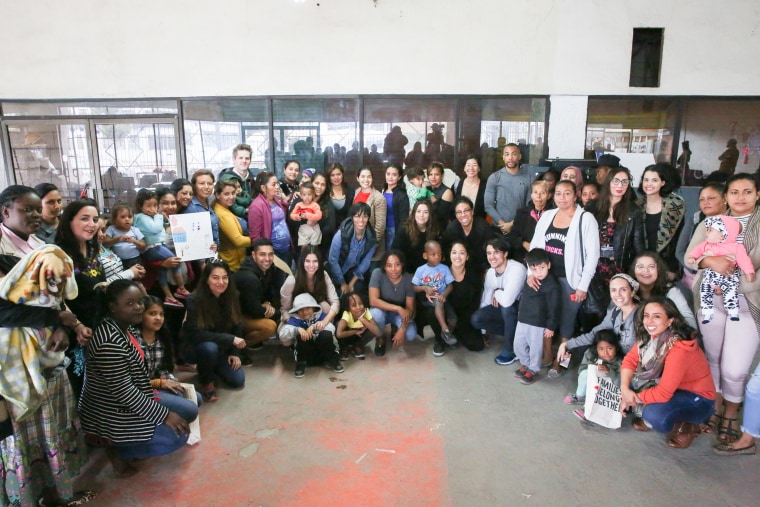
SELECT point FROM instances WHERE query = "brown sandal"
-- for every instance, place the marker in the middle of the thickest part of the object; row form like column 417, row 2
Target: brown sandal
column 683, row 434
column 712, row 424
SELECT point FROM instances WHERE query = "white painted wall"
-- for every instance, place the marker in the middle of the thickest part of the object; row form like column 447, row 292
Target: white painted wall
column 170, row 48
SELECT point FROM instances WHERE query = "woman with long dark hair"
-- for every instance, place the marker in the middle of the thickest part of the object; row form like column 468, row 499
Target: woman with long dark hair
column 340, row 193
column 666, row 372
column 212, row 332
column 397, row 202
column 267, row 216
column 419, row 228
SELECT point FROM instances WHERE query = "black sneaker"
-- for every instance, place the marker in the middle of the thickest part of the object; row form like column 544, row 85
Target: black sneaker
column 520, row 373
column 449, row 337
column 529, row 377
column 334, row 365
column 439, row 349
column 345, row 354
column 358, row 351
column 379, row 347
column 300, row 369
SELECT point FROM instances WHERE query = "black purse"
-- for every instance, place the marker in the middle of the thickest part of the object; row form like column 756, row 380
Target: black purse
column 598, row 296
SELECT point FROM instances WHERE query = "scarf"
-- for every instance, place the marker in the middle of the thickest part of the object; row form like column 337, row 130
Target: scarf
column 652, row 360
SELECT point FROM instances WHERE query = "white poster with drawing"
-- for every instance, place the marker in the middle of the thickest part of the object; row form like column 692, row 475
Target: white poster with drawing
column 192, row 235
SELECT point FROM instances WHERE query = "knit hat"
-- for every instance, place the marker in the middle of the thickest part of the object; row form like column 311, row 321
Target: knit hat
column 302, row 301
column 308, row 172
column 633, row 283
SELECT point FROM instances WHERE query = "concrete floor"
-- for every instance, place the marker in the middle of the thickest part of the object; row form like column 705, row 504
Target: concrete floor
column 410, row 429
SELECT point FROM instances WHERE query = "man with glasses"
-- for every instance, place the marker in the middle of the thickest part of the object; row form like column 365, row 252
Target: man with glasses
column 507, row 190
column 472, row 231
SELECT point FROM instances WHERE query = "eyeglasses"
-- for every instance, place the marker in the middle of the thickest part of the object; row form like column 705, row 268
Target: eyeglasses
column 618, row 181
column 463, row 212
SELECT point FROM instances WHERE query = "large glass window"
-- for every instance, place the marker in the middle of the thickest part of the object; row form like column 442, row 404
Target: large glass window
column 489, row 124
column 631, row 126
column 316, row 132
column 214, row 127
column 722, row 134
column 134, row 155
column 57, row 153
column 411, row 131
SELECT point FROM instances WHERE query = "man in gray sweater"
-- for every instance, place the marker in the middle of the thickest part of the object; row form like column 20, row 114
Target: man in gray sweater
column 507, row 190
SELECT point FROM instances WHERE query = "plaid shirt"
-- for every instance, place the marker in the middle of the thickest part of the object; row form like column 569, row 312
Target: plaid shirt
column 154, row 355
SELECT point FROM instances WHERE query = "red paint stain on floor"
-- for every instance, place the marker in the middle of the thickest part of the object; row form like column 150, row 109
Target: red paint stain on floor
column 313, row 436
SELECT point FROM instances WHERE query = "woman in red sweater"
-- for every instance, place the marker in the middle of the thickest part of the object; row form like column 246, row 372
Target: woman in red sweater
column 668, row 374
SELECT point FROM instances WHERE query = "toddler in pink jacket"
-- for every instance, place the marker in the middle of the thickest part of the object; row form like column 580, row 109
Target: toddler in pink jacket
column 722, row 232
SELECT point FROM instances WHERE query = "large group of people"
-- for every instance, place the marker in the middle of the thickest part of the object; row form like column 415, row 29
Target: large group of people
column 325, row 268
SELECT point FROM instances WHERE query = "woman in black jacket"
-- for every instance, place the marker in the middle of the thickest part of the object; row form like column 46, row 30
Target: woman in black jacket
column 521, row 235
column 212, row 333
column 394, row 192
column 621, row 226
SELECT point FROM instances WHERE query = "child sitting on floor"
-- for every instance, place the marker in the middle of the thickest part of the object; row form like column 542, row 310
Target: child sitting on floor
column 355, row 327
column 312, row 344
column 605, row 352
column 435, row 280
column 720, row 239
column 537, row 317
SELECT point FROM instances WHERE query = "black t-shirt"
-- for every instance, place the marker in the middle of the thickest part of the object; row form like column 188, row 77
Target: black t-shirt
column 555, row 239
column 652, row 226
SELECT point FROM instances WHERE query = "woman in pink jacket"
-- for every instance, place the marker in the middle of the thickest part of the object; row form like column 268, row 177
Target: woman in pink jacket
column 266, row 216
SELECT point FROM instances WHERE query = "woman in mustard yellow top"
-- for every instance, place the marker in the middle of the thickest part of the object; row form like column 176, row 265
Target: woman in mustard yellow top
column 232, row 241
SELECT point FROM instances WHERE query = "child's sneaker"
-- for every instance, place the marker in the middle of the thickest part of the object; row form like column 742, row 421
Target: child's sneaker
column 334, row 365
column 505, row 358
column 208, row 392
column 300, row 369
column 439, row 349
column 173, row 303
column 358, row 351
column 345, row 354
column 528, row 378
column 520, row 372
column 449, row 337
column 574, row 399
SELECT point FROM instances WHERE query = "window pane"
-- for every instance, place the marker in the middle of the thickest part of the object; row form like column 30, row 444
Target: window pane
column 630, row 126
column 316, row 132
column 214, row 127
column 710, row 125
column 54, row 153
column 413, row 132
column 134, row 156
column 489, row 124
column 135, row 107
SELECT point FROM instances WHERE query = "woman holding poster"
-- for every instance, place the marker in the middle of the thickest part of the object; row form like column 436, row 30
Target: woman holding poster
column 668, row 374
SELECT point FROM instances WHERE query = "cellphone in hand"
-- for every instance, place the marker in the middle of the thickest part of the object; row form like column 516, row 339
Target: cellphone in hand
column 565, row 361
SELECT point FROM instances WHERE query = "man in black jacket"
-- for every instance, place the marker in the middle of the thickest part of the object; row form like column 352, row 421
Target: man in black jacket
column 258, row 281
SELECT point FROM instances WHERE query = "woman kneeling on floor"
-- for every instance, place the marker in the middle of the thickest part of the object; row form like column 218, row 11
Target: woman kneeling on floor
column 118, row 403
column 313, row 343
column 667, row 373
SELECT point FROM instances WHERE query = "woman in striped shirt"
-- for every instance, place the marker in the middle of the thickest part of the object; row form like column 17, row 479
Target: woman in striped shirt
column 117, row 403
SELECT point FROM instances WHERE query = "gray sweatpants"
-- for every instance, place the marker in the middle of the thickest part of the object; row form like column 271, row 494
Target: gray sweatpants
column 529, row 345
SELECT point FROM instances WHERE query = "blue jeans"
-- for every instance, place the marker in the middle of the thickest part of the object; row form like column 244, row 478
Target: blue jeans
column 751, row 422
column 160, row 253
column 684, row 406
column 382, row 318
column 179, row 404
column 164, row 441
column 500, row 321
column 212, row 361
